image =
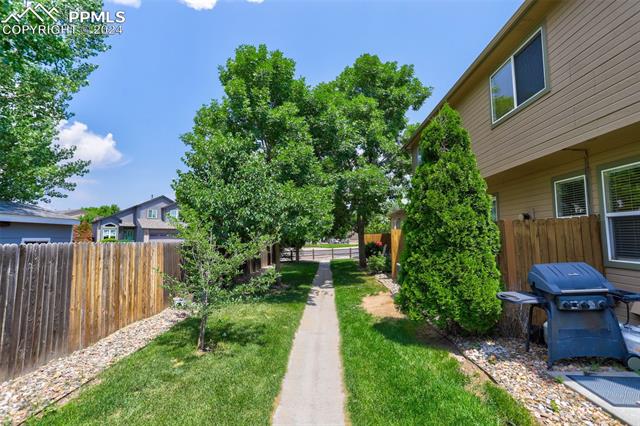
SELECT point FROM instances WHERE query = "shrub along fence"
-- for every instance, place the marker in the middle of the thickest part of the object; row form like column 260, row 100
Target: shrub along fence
column 57, row 298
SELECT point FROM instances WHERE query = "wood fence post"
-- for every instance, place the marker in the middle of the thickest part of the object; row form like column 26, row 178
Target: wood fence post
column 510, row 254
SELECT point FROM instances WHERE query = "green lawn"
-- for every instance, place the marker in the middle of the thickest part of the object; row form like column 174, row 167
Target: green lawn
column 167, row 382
column 394, row 379
column 320, row 245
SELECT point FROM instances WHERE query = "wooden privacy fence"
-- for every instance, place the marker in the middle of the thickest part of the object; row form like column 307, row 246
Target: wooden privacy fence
column 397, row 245
column 374, row 238
column 527, row 242
column 57, row 298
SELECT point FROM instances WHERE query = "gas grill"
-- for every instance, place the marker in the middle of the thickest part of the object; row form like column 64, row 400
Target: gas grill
column 579, row 303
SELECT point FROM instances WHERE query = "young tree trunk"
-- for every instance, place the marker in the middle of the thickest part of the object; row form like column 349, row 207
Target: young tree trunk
column 362, row 256
column 202, row 345
column 277, row 261
column 297, row 254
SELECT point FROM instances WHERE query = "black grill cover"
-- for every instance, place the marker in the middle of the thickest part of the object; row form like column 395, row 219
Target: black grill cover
column 565, row 278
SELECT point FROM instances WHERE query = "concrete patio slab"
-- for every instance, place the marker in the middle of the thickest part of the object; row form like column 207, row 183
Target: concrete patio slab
column 630, row 415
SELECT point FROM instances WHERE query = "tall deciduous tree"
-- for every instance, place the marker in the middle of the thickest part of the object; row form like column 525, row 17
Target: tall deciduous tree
column 38, row 75
column 258, row 121
column 449, row 273
column 357, row 122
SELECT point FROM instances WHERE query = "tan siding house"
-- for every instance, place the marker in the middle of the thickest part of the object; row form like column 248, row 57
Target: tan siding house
column 575, row 134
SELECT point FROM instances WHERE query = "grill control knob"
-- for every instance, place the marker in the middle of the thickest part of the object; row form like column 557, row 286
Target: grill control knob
column 566, row 305
column 602, row 304
column 584, row 305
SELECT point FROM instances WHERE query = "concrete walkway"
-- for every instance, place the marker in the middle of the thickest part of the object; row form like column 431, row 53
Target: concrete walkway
column 312, row 391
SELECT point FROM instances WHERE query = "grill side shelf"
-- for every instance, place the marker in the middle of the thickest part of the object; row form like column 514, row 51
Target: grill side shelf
column 521, row 298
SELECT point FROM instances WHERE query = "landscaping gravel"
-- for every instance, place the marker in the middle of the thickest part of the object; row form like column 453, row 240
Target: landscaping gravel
column 524, row 375
column 30, row 393
column 386, row 281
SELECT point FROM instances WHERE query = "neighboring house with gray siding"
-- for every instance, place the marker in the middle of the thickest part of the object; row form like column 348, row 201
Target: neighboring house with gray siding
column 28, row 224
column 147, row 221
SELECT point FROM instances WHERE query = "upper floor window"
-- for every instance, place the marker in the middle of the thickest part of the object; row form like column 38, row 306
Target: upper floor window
column 621, row 189
column 519, row 79
column 152, row 214
column 174, row 213
column 571, row 197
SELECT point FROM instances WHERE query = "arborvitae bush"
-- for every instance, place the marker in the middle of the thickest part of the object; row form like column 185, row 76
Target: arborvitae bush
column 448, row 268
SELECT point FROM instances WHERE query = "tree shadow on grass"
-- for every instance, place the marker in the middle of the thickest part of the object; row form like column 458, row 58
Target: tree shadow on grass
column 412, row 333
column 346, row 273
column 185, row 334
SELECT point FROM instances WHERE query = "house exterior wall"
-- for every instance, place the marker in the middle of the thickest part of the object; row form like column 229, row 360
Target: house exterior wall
column 592, row 103
column 16, row 231
column 593, row 64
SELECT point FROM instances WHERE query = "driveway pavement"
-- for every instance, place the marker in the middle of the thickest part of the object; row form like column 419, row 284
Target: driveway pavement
column 313, row 391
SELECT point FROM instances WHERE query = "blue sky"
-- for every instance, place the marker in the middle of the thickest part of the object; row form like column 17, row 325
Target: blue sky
column 163, row 68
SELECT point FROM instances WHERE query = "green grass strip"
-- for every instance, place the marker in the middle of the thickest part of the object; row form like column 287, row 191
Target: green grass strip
column 167, row 382
column 392, row 378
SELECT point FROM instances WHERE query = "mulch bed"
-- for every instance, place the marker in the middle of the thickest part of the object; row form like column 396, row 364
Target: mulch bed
column 30, row 393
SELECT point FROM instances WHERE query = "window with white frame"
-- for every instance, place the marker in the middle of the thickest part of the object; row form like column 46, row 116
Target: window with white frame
column 621, row 199
column 570, row 196
column 110, row 231
column 174, row 213
column 494, row 207
column 519, row 79
column 152, row 214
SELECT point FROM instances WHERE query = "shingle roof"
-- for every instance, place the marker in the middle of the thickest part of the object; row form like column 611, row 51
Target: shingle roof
column 155, row 224
column 20, row 212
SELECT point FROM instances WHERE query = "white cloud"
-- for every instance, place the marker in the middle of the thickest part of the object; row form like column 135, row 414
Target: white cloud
column 200, row 4
column 100, row 150
column 132, row 3
column 204, row 4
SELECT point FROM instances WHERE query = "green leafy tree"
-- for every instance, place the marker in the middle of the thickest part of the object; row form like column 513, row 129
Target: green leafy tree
column 379, row 224
column 357, row 122
column 91, row 213
column 257, row 135
column 449, row 273
column 211, row 273
column 39, row 73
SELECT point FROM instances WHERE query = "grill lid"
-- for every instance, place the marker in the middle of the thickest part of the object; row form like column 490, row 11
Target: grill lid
column 567, row 278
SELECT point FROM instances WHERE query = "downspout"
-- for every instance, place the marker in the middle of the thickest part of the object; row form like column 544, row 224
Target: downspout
column 587, row 175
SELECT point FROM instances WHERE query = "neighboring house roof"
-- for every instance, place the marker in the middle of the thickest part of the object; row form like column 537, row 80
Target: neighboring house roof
column 28, row 213
column 506, row 29
column 114, row 216
column 75, row 213
column 155, row 224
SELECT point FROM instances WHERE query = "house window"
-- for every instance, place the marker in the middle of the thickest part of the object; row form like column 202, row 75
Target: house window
column 621, row 197
column 152, row 214
column 35, row 240
column 110, row 231
column 174, row 213
column 519, row 79
column 494, row 207
column 571, row 197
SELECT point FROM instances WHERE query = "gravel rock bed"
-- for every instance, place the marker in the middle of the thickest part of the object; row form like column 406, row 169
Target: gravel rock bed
column 386, row 281
column 27, row 394
column 524, row 375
